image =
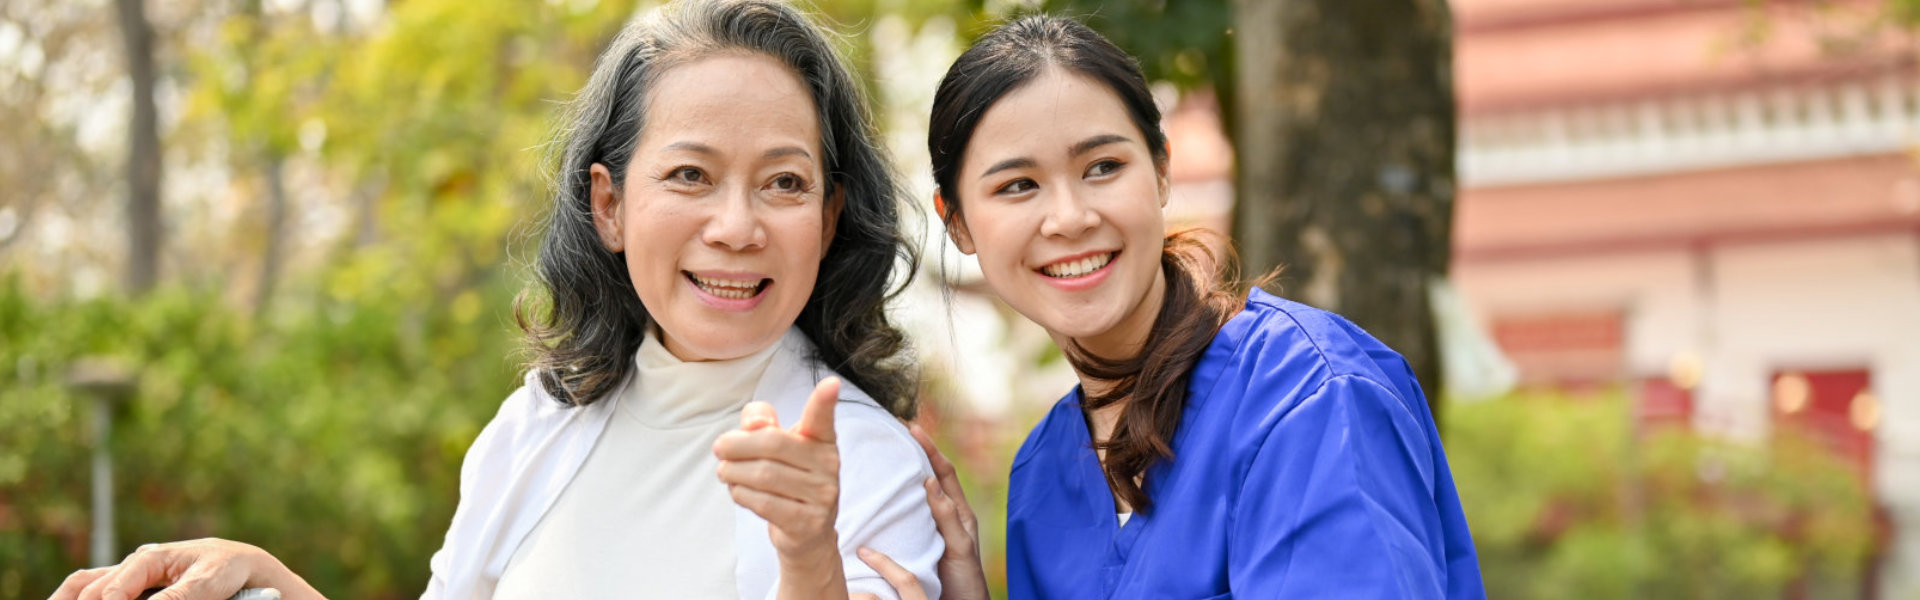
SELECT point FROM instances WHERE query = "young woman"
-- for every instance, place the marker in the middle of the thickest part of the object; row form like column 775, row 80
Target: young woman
column 1218, row 444
column 723, row 231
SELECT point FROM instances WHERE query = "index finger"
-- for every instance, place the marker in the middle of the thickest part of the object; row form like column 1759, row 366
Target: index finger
column 903, row 581
column 816, row 422
column 942, row 468
column 70, row 589
column 144, row 569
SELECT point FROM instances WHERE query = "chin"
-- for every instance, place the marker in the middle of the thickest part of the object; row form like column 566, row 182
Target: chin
column 713, row 341
column 1080, row 326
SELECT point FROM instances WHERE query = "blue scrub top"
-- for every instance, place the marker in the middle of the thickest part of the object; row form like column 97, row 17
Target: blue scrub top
column 1306, row 466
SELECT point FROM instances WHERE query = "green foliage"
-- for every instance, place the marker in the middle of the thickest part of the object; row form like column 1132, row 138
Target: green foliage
column 1563, row 501
column 332, row 439
column 330, row 430
column 1904, row 12
column 1188, row 43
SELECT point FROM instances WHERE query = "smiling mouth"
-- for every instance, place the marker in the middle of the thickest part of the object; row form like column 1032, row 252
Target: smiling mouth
column 1081, row 267
column 731, row 289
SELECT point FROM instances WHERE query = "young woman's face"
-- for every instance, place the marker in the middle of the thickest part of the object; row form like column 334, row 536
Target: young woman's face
column 722, row 216
column 1062, row 203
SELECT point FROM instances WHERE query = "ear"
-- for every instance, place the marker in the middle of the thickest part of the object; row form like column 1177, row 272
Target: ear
column 606, row 209
column 1165, row 183
column 830, row 217
column 956, row 226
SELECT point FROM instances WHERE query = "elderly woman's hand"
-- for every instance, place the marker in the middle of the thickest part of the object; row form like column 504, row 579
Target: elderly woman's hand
column 791, row 478
column 204, row 569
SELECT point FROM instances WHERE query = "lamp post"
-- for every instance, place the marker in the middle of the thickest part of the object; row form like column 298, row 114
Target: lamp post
column 107, row 383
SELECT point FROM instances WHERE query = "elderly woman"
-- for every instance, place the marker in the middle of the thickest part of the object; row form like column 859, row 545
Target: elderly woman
column 722, row 235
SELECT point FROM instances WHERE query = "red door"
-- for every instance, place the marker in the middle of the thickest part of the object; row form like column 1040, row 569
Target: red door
column 1837, row 408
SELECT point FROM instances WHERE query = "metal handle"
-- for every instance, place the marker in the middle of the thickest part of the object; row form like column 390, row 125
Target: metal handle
column 246, row 594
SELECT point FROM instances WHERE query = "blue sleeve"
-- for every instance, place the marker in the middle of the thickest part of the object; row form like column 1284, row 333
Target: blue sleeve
column 1339, row 501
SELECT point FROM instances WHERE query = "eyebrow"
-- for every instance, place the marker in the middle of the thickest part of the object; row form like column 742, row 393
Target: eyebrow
column 1085, row 146
column 1011, row 163
column 1095, row 142
column 695, row 147
column 783, row 151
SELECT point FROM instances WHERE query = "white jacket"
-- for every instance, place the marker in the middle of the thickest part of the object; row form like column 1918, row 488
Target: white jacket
column 518, row 466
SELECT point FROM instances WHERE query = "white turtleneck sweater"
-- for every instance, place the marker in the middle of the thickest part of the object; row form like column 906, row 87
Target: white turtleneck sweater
column 646, row 515
column 619, row 499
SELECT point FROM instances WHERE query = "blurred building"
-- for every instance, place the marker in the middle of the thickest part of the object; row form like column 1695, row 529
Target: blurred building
column 1657, row 195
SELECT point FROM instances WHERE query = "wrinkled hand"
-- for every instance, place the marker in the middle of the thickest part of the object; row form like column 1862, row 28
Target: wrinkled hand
column 962, row 576
column 204, row 569
column 791, row 478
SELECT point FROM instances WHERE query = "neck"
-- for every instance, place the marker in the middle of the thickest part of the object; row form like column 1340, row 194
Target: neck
column 1124, row 341
column 1101, row 421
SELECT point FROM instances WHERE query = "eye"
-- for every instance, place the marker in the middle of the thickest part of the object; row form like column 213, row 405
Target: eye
column 1017, row 186
column 686, row 175
column 788, row 183
column 1104, row 168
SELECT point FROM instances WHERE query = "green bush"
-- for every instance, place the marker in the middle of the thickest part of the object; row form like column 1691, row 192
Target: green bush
column 332, row 437
column 1563, row 502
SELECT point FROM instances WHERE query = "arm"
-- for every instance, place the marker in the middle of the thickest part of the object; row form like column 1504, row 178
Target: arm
column 1338, row 500
column 962, row 576
column 886, row 508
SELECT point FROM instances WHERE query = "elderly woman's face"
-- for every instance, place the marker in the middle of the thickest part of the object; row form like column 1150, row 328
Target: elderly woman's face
column 722, row 216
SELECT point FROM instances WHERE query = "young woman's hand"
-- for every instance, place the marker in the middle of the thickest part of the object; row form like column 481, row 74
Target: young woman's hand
column 791, row 478
column 204, row 569
column 961, row 575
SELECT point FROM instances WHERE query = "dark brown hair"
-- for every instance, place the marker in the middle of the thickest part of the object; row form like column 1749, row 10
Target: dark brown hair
column 582, row 318
column 1152, row 384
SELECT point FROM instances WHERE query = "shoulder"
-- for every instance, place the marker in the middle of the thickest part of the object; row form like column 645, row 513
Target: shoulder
column 530, row 409
column 1290, row 352
column 1285, row 329
column 859, row 419
column 873, row 442
column 869, row 437
column 1048, row 432
column 528, row 415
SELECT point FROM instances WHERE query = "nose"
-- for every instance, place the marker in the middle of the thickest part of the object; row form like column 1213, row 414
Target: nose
column 1068, row 214
column 736, row 225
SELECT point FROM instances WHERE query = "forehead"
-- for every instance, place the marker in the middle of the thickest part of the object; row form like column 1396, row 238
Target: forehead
column 739, row 98
column 1045, row 116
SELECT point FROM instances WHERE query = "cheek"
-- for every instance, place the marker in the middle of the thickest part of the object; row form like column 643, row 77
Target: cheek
column 1001, row 236
column 1142, row 216
column 802, row 238
column 655, row 235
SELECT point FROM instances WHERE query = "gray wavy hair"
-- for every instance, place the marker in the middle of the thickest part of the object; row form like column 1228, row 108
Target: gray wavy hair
column 582, row 338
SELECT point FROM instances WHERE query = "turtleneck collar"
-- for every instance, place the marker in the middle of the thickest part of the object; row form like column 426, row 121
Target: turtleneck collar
column 672, row 393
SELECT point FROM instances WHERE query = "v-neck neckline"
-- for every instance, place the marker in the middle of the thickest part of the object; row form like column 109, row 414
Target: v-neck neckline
column 1099, row 495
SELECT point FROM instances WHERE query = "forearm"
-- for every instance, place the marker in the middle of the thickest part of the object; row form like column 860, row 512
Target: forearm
column 821, row 577
column 271, row 573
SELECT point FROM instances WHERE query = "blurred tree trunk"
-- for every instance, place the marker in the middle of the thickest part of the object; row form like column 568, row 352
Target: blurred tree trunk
column 143, row 152
column 272, row 161
column 1344, row 135
column 275, row 252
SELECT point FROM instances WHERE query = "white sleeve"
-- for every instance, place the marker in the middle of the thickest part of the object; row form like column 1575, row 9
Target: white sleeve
column 883, row 505
column 486, row 463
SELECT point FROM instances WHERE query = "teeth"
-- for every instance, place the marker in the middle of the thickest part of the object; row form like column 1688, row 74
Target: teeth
column 1077, row 268
column 732, row 289
column 727, row 283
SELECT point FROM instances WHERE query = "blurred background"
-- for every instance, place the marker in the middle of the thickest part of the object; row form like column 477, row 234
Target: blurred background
column 1657, row 262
